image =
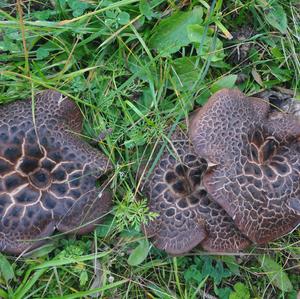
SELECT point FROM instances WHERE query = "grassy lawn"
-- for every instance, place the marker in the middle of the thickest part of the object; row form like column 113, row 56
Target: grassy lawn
column 136, row 68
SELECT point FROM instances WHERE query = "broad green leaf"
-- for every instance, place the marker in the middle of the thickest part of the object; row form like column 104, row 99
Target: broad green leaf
column 203, row 96
column 171, row 33
column 231, row 263
column 45, row 50
column 146, row 99
column 276, row 17
column 282, row 74
column 222, row 293
column 275, row 273
column 215, row 270
column 139, row 254
column 112, row 14
column 3, row 294
column 43, row 15
column 104, row 228
column 196, row 33
column 207, row 46
column 78, row 7
column 83, row 278
column 240, row 291
column 8, row 45
column 146, row 9
column 41, row 251
column 42, row 53
column 185, row 73
column 123, row 18
column 224, row 82
column 6, row 270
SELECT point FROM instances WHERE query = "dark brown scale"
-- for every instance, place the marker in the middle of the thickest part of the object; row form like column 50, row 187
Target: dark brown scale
column 170, row 177
column 13, row 181
column 170, row 212
column 193, row 200
column 181, row 170
column 49, row 201
column 29, row 165
column 268, row 149
column 254, row 153
column 160, row 187
column 12, row 153
column 5, row 167
column 59, row 174
column 280, row 168
column 48, row 165
column 27, row 196
column 258, row 138
column 27, row 159
column 182, row 203
column 34, row 150
column 75, row 180
column 179, row 187
column 5, row 201
column 268, row 172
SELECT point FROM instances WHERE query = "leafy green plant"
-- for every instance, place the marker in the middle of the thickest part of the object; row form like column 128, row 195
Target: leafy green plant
column 275, row 274
column 276, row 16
column 139, row 254
column 130, row 213
column 240, row 291
column 172, row 33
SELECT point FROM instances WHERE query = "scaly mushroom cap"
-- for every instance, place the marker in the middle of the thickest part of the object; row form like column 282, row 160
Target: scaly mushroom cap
column 47, row 173
column 256, row 179
column 186, row 214
column 282, row 101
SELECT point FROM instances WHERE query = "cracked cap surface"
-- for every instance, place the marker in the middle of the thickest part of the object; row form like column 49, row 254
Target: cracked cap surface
column 47, row 173
column 256, row 179
column 186, row 215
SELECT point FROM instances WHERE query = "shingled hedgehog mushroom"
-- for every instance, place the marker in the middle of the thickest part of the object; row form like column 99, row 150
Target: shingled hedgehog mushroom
column 47, row 173
column 257, row 163
column 186, row 214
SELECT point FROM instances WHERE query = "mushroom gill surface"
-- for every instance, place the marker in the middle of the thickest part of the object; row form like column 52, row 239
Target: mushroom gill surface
column 186, row 214
column 257, row 157
column 47, row 173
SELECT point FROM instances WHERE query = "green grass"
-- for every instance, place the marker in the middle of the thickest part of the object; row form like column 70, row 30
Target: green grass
column 134, row 71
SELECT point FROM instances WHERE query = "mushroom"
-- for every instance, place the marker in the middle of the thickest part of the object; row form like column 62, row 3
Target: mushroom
column 257, row 163
column 281, row 99
column 186, row 214
column 47, row 173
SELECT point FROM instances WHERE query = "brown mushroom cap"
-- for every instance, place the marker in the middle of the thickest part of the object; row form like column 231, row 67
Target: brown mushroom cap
column 47, row 173
column 281, row 100
column 186, row 214
column 256, row 179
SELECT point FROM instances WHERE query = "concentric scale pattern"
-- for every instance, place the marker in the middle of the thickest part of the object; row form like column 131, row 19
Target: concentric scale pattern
column 257, row 163
column 47, row 173
column 186, row 214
